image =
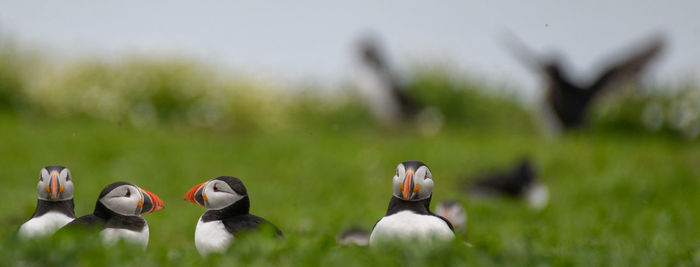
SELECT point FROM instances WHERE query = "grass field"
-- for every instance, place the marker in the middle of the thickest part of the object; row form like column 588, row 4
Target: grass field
column 617, row 198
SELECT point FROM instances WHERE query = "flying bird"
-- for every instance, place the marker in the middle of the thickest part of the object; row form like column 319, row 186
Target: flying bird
column 118, row 211
column 227, row 215
column 570, row 100
column 404, row 106
column 54, row 207
column 409, row 216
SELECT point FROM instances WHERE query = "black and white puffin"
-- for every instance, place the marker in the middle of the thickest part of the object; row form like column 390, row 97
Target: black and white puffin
column 520, row 182
column 228, row 213
column 409, row 215
column 54, row 207
column 118, row 213
column 453, row 212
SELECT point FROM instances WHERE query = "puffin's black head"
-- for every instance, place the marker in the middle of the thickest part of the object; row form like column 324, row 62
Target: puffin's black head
column 370, row 52
column 129, row 200
column 217, row 193
column 55, row 183
column 413, row 181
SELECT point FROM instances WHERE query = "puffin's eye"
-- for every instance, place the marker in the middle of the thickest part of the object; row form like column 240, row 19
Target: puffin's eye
column 128, row 193
column 41, row 178
column 67, row 178
column 216, row 189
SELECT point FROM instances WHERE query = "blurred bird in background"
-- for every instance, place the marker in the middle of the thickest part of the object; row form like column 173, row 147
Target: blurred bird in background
column 390, row 98
column 453, row 212
column 518, row 182
column 401, row 106
column 569, row 100
column 354, row 235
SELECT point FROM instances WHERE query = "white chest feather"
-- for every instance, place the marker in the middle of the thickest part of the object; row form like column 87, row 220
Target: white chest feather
column 409, row 225
column 211, row 237
column 112, row 235
column 44, row 225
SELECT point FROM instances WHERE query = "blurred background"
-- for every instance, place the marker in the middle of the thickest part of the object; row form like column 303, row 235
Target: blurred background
column 313, row 104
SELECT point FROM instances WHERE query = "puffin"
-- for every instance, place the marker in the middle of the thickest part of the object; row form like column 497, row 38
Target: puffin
column 118, row 213
column 520, row 182
column 227, row 215
column 354, row 235
column 54, row 207
column 408, row 216
column 453, row 212
column 373, row 56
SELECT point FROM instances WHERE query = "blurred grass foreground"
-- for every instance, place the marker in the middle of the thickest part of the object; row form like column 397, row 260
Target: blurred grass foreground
column 624, row 191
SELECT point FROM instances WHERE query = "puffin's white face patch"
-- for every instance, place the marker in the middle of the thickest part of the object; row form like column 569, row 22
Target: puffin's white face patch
column 421, row 178
column 219, row 195
column 537, row 196
column 124, row 200
column 59, row 181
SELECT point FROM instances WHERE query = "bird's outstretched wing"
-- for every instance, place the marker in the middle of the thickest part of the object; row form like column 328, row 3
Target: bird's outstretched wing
column 629, row 66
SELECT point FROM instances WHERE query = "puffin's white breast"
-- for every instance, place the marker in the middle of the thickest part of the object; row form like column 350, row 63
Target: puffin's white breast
column 211, row 237
column 46, row 224
column 409, row 225
column 112, row 235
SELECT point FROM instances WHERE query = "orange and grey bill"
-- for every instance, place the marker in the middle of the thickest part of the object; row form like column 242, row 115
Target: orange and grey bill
column 407, row 185
column 151, row 202
column 191, row 195
column 54, row 185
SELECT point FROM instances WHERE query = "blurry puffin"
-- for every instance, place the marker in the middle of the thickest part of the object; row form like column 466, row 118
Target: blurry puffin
column 118, row 213
column 409, row 214
column 54, row 207
column 354, row 235
column 228, row 206
column 453, row 212
column 519, row 183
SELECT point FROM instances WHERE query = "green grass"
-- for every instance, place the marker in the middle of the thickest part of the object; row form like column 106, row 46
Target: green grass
column 617, row 198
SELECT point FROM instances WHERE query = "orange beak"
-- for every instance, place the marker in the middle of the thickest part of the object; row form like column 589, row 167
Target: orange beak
column 54, row 185
column 195, row 195
column 151, row 203
column 408, row 185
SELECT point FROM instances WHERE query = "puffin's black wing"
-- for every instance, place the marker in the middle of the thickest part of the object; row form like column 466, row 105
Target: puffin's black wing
column 629, row 66
column 247, row 222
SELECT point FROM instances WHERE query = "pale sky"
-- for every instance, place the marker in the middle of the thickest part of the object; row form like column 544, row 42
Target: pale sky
column 313, row 40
